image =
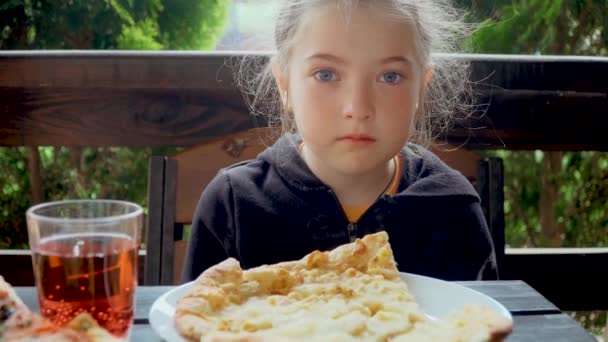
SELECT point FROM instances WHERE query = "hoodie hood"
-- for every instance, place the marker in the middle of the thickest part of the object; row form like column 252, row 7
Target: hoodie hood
column 424, row 174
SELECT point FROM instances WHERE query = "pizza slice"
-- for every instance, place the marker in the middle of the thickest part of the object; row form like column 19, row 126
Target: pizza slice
column 18, row 323
column 352, row 293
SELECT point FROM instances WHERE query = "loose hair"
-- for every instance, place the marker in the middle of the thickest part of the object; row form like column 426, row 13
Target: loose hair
column 439, row 30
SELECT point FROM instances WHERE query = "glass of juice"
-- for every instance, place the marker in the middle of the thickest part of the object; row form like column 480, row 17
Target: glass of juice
column 84, row 254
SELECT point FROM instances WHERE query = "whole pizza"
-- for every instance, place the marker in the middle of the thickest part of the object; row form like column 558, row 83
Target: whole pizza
column 351, row 293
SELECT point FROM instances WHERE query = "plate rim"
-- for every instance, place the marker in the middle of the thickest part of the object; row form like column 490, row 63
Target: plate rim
column 503, row 309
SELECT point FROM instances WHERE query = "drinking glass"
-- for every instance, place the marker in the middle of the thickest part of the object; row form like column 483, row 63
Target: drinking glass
column 84, row 254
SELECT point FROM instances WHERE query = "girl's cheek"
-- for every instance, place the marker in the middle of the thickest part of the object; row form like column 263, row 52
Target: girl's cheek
column 317, row 87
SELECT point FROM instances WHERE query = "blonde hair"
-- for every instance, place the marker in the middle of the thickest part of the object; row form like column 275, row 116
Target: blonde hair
column 440, row 30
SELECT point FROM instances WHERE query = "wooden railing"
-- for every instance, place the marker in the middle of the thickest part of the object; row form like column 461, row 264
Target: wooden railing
column 179, row 99
column 100, row 98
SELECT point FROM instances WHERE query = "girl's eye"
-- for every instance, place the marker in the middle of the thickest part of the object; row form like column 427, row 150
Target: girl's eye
column 325, row 75
column 391, row 77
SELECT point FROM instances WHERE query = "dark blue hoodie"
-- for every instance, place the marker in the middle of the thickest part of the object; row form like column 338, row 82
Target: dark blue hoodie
column 273, row 209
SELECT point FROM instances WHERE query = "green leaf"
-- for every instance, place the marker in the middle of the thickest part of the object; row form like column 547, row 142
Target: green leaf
column 122, row 12
column 10, row 4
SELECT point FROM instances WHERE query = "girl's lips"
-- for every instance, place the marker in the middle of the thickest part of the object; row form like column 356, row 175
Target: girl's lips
column 358, row 139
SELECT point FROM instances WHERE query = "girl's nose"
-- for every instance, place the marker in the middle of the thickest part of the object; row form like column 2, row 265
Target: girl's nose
column 359, row 104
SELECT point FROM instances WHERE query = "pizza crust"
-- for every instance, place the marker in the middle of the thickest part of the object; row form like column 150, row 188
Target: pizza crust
column 351, row 293
column 18, row 323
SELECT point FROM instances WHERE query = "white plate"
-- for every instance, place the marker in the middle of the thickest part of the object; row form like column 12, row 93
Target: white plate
column 436, row 298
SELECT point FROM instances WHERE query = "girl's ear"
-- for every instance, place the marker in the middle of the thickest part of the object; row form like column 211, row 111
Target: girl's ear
column 428, row 74
column 426, row 78
column 281, row 80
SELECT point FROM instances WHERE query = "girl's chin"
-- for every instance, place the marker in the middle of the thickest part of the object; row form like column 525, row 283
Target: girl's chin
column 354, row 168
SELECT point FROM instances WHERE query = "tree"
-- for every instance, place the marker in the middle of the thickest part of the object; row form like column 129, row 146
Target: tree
column 560, row 27
column 112, row 24
column 545, row 188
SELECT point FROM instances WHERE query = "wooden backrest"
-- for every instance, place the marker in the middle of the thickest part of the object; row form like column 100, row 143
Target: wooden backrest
column 176, row 183
column 197, row 165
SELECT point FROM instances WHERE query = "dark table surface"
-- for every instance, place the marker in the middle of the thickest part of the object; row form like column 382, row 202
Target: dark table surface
column 536, row 319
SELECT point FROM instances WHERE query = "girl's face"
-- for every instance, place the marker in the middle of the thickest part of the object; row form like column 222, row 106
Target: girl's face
column 353, row 84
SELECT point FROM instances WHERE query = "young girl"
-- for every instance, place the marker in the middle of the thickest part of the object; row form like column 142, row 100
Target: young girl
column 359, row 84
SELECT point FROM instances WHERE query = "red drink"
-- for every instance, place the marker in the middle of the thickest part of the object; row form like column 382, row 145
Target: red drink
column 92, row 272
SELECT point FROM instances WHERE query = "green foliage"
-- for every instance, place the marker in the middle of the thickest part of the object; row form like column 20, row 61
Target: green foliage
column 70, row 173
column 593, row 321
column 539, row 26
column 536, row 33
column 522, row 193
column 111, row 24
column 181, row 27
column 140, row 36
column 94, row 173
column 581, row 206
column 14, row 197
column 41, row 24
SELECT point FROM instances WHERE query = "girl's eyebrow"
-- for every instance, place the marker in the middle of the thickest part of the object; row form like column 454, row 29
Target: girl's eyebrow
column 396, row 59
column 338, row 60
column 327, row 57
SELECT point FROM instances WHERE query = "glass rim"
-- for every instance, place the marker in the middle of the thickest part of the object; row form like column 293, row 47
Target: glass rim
column 31, row 212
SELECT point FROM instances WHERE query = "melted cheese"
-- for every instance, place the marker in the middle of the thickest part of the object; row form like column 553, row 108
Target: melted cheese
column 328, row 306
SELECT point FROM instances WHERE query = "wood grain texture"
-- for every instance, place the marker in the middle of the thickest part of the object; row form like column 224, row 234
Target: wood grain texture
column 489, row 185
column 534, row 119
column 196, row 166
column 34, row 176
column 516, row 295
column 182, row 99
column 117, row 70
column 171, row 69
column 168, row 236
column 552, row 327
column 156, row 177
column 119, row 117
column 179, row 255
